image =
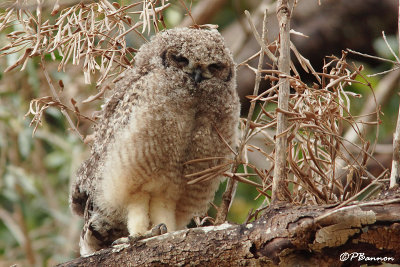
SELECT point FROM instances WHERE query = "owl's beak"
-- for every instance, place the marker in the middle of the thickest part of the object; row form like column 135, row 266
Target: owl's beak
column 197, row 75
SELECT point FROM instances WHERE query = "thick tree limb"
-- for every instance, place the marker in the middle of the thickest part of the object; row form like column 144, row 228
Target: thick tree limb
column 284, row 236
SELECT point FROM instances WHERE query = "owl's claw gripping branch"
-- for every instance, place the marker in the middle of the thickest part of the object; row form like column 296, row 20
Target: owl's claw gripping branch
column 157, row 230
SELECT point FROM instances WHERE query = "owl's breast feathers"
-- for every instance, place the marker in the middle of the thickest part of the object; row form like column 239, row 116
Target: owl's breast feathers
column 178, row 121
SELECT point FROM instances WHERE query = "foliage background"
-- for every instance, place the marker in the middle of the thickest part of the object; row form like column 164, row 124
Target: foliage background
column 36, row 226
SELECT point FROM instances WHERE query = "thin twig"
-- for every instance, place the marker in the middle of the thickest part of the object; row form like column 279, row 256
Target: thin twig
column 373, row 57
column 188, row 12
column 261, row 42
column 53, row 90
column 390, row 48
column 359, row 193
column 203, row 12
column 232, row 183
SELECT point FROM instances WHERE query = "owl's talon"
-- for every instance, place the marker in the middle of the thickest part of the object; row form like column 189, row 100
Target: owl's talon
column 127, row 240
column 163, row 229
column 159, row 229
column 120, row 241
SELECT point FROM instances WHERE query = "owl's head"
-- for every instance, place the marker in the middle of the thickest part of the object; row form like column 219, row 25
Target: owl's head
column 197, row 54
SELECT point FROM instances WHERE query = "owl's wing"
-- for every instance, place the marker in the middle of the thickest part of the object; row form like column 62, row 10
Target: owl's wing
column 90, row 171
column 81, row 188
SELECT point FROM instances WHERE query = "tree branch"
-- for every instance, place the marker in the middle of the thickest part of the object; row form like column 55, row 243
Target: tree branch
column 278, row 184
column 395, row 174
column 285, row 236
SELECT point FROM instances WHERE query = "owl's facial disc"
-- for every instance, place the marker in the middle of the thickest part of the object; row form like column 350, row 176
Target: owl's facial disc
column 197, row 71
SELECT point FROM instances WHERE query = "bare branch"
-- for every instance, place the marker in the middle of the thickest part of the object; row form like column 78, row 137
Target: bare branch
column 395, row 174
column 279, row 184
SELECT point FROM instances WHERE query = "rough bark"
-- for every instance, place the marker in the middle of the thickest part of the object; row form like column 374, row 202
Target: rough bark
column 283, row 235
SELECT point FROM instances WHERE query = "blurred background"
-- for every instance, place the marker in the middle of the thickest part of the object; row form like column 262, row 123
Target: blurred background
column 36, row 225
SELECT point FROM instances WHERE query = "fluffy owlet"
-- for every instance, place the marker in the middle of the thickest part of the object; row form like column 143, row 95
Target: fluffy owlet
column 176, row 104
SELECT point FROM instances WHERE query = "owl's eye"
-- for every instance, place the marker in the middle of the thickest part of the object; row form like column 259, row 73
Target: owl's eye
column 215, row 67
column 181, row 60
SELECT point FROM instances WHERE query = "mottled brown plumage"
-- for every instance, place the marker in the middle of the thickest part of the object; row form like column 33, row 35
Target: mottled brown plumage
column 163, row 112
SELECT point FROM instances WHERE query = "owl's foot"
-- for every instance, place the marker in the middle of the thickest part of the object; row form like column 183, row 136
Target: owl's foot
column 159, row 229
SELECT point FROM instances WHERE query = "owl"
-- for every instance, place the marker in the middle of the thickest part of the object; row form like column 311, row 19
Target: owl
column 177, row 104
